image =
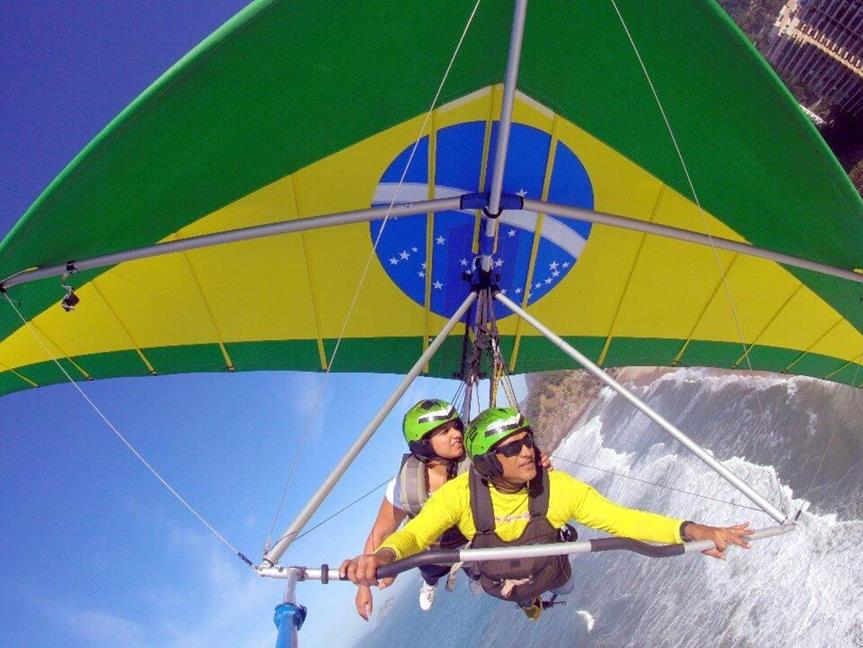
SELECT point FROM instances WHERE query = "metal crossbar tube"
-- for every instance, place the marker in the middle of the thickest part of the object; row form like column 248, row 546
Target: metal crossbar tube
column 273, row 555
column 528, row 551
column 688, row 443
column 604, row 544
column 509, row 86
column 566, row 211
column 302, row 573
column 769, row 532
column 232, row 236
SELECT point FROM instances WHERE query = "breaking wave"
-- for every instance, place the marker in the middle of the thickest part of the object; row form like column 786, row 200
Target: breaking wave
column 797, row 441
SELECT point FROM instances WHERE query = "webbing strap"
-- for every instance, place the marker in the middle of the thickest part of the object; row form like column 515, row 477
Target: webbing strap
column 537, row 491
column 481, row 506
column 412, row 484
column 480, row 503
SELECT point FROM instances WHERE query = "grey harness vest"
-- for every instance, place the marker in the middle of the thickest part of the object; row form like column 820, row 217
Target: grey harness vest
column 414, row 490
column 522, row 579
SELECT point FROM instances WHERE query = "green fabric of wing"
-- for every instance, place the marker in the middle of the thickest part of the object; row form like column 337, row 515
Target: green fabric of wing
column 754, row 158
column 284, row 84
column 281, row 85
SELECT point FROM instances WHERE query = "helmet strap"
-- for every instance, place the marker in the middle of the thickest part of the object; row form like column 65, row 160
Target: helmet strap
column 422, row 450
column 488, row 465
column 452, row 466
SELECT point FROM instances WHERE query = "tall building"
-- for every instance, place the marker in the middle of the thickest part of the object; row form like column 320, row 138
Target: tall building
column 819, row 44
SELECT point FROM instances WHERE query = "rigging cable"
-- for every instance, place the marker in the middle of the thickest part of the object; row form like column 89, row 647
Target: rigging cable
column 123, row 439
column 556, row 457
column 346, row 507
column 671, row 488
column 499, row 371
column 458, row 394
column 371, row 255
column 503, row 375
column 722, row 273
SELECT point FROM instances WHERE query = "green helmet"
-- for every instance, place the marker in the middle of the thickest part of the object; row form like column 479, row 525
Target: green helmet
column 427, row 416
column 491, row 426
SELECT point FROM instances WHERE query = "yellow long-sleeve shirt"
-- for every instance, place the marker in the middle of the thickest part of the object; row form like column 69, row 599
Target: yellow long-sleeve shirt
column 569, row 499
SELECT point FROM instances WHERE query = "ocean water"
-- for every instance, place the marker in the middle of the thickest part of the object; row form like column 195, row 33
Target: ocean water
column 797, row 441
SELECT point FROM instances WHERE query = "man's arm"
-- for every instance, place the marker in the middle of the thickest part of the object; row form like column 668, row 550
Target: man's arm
column 595, row 511
column 440, row 512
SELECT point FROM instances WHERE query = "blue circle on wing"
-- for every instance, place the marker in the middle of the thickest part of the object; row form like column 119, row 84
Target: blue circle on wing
column 405, row 242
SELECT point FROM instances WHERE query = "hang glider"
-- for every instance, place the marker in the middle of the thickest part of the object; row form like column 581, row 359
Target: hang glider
column 286, row 114
column 632, row 177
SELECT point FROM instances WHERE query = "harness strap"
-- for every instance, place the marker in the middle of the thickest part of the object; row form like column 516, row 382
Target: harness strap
column 412, row 483
column 538, row 494
column 481, row 505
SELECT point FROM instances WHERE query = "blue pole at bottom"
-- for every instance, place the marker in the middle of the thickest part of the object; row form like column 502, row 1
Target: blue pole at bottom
column 289, row 619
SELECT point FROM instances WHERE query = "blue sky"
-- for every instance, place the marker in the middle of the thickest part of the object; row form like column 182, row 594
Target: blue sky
column 95, row 551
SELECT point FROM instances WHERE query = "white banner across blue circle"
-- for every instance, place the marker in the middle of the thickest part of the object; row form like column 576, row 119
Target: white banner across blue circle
column 402, row 247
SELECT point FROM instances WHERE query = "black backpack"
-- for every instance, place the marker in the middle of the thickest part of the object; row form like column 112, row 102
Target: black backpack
column 521, row 579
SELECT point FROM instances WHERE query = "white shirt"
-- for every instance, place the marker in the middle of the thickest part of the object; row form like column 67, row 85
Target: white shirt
column 394, row 494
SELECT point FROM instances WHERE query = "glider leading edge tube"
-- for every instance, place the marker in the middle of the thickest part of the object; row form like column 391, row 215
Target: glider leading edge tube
column 452, row 556
column 232, row 236
column 417, row 208
column 688, row 443
column 578, row 213
column 273, row 555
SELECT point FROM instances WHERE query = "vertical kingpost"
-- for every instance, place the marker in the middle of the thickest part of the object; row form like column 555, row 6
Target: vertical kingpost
column 509, row 85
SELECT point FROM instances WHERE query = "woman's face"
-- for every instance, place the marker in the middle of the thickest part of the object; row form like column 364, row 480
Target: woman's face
column 448, row 442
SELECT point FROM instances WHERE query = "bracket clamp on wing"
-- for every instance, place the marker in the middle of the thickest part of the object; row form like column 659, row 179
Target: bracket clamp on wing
column 70, row 300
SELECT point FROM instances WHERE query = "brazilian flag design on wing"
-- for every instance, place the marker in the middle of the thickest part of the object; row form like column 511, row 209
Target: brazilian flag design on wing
column 296, row 109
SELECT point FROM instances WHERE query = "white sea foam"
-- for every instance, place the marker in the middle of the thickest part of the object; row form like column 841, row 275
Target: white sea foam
column 589, row 621
column 584, row 445
column 797, row 589
column 802, row 588
column 812, row 426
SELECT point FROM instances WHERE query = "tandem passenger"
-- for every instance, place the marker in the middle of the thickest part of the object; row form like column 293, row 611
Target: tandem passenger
column 433, row 431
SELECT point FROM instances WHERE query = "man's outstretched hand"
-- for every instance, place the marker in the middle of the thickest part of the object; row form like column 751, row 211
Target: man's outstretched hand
column 720, row 536
column 362, row 569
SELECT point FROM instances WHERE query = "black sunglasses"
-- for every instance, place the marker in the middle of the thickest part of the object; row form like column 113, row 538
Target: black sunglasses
column 513, row 449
